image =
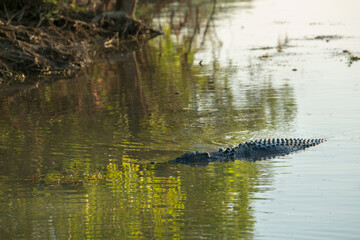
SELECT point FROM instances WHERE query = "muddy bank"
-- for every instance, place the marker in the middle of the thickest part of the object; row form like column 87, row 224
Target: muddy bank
column 49, row 39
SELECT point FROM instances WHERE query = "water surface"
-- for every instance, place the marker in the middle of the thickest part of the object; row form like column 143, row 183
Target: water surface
column 75, row 153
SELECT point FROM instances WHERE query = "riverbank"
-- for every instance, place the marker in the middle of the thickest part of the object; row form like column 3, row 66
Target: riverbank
column 48, row 39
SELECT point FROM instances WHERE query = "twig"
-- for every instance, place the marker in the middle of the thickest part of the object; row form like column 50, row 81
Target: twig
column 208, row 22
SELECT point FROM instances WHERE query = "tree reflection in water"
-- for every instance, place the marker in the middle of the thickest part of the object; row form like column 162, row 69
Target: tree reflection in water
column 75, row 152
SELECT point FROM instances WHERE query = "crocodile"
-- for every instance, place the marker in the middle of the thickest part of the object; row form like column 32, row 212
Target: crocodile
column 251, row 151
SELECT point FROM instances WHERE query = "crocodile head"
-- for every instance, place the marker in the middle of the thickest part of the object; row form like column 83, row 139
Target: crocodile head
column 193, row 158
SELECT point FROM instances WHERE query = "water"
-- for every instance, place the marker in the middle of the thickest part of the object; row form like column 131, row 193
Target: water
column 75, row 153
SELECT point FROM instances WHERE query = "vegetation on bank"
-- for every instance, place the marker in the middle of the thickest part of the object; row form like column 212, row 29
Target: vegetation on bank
column 60, row 37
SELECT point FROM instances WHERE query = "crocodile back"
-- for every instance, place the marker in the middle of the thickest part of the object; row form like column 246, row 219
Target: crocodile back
column 270, row 148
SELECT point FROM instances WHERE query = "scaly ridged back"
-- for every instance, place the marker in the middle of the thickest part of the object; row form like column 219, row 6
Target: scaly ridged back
column 269, row 148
